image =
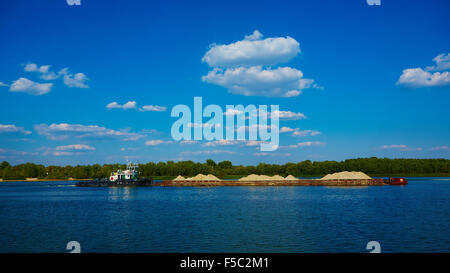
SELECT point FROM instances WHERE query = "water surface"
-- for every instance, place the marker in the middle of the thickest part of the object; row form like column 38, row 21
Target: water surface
column 44, row 216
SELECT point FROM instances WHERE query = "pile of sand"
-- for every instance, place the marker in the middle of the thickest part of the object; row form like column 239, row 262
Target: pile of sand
column 179, row 178
column 291, row 177
column 277, row 177
column 255, row 177
column 201, row 177
column 346, row 175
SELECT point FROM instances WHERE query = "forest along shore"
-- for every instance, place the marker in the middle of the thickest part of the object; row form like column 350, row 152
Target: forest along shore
column 375, row 167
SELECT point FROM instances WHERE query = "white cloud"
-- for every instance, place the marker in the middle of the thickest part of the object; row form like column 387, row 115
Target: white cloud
column 393, row 146
column 287, row 129
column 128, row 105
column 156, row 142
column 400, row 147
column 3, row 84
column 252, row 143
column 418, row 77
column 441, row 148
column 10, row 128
column 71, row 80
column 64, row 131
column 303, row 133
column 155, row 108
column 44, row 70
column 256, row 35
column 233, row 112
column 243, row 67
column 252, row 51
column 252, row 128
column 303, row 144
column 30, row 87
column 299, row 133
column 76, row 147
column 259, row 81
column 74, row 80
column 289, row 115
column 442, row 63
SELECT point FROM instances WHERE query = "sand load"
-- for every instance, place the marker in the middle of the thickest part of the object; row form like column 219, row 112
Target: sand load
column 255, row 177
column 179, row 178
column 291, row 177
column 346, row 175
column 251, row 177
column 202, row 177
column 211, row 177
column 277, row 177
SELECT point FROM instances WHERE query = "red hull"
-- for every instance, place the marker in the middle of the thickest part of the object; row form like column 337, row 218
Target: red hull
column 396, row 181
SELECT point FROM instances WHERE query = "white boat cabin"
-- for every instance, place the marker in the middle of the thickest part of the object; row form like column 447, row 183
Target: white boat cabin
column 128, row 174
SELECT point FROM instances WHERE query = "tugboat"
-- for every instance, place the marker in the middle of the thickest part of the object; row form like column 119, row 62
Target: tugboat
column 396, row 181
column 126, row 178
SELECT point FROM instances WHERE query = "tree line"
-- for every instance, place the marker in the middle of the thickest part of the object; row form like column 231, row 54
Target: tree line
column 372, row 166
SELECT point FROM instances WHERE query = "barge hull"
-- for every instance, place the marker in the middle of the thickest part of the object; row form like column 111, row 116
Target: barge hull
column 300, row 182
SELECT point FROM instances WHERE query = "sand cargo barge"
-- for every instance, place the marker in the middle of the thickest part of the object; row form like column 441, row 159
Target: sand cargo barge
column 336, row 179
column 298, row 182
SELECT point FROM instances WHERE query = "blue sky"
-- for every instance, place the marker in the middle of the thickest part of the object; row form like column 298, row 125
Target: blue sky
column 381, row 85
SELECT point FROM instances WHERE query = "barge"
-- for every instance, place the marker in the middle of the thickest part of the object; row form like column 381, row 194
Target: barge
column 299, row 182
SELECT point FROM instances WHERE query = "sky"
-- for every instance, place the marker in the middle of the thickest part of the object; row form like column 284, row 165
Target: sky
column 96, row 82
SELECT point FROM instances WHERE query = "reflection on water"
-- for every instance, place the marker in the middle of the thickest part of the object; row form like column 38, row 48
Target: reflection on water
column 121, row 193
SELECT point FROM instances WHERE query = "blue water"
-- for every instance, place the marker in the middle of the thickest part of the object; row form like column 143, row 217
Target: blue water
column 44, row 216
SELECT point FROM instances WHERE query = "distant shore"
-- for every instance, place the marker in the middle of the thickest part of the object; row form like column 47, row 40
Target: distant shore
column 229, row 177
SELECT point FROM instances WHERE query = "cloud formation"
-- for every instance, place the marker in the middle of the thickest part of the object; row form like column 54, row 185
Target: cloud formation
column 74, row 80
column 245, row 67
column 418, row 77
column 11, row 128
column 251, row 51
column 400, row 147
column 25, row 85
column 303, row 133
column 303, row 144
column 71, row 80
column 259, row 81
column 441, row 148
column 442, row 63
column 155, row 108
column 76, row 147
column 133, row 105
column 64, row 131
column 128, row 105
column 157, row 142
column 289, row 115
column 44, row 70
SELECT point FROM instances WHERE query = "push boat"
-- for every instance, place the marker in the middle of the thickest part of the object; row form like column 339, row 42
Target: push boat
column 121, row 178
column 396, row 181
